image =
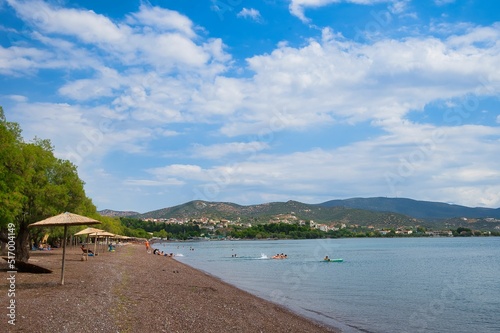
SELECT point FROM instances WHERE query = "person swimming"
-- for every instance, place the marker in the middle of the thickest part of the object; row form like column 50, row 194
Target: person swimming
column 280, row 256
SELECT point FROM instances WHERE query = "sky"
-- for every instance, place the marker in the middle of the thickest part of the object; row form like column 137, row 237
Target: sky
column 162, row 102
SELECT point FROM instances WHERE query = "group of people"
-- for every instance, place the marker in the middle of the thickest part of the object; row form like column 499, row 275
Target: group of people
column 157, row 251
column 44, row 247
column 280, row 256
column 161, row 253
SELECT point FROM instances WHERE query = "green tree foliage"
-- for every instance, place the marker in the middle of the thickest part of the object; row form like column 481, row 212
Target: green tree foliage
column 277, row 230
column 161, row 234
column 111, row 224
column 461, row 231
column 177, row 231
column 34, row 185
column 11, row 166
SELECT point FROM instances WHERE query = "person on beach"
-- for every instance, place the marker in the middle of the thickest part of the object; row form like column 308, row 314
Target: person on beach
column 85, row 250
column 147, row 245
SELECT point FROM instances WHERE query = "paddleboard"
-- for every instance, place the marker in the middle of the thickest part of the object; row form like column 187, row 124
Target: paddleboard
column 334, row 260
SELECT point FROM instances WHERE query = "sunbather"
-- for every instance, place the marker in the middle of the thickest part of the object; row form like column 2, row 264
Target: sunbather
column 86, row 250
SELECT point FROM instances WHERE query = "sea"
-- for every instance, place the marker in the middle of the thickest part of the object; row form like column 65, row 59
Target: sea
column 447, row 284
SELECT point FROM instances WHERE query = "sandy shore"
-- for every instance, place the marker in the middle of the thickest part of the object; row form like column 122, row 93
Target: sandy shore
column 132, row 291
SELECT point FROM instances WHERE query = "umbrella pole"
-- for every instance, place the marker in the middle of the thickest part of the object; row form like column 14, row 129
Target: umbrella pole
column 87, row 253
column 95, row 244
column 64, row 253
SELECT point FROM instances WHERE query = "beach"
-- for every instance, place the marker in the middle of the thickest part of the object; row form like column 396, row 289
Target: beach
column 130, row 290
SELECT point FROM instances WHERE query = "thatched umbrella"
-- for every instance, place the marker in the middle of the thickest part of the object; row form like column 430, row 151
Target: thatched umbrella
column 64, row 220
column 87, row 232
column 101, row 234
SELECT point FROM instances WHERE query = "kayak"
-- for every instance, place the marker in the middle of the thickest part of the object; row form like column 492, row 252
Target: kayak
column 334, row 260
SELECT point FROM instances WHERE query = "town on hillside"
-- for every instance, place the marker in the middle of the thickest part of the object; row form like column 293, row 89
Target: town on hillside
column 290, row 226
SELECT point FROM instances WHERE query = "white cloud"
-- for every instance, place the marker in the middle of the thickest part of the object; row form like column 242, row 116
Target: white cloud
column 334, row 80
column 337, row 81
column 18, row 98
column 80, row 132
column 147, row 182
column 152, row 36
column 297, row 7
column 400, row 6
column 185, row 171
column 107, row 82
column 22, row 60
column 252, row 13
column 155, row 79
column 86, row 25
column 418, row 161
column 162, row 19
column 325, row 82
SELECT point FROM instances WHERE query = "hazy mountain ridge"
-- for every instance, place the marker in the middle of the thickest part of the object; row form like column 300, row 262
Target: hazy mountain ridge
column 117, row 213
column 415, row 208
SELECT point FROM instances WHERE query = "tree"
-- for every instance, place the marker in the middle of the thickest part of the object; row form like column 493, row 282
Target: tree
column 10, row 176
column 421, row 229
column 161, row 234
column 51, row 186
column 41, row 184
column 461, row 231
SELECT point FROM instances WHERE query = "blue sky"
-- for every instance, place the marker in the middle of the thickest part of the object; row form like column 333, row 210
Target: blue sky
column 163, row 102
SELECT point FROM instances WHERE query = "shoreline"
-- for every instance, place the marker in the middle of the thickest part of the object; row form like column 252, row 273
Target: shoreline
column 130, row 290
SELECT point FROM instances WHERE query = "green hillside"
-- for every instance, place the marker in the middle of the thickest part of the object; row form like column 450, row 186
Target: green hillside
column 279, row 211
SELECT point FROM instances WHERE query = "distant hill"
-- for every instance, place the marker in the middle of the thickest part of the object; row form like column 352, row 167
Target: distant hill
column 379, row 212
column 276, row 211
column 414, row 208
column 109, row 212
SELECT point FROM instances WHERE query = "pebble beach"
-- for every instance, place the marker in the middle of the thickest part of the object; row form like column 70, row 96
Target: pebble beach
column 130, row 290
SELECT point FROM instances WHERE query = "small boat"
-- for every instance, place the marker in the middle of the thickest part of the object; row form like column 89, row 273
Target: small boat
column 334, row 260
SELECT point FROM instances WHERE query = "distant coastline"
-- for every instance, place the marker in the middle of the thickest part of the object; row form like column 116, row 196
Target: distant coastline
column 357, row 217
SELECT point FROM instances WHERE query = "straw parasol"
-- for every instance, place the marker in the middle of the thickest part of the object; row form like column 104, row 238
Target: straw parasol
column 101, row 234
column 122, row 237
column 87, row 232
column 105, row 234
column 64, row 220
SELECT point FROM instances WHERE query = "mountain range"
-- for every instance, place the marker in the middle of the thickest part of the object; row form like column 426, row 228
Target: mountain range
column 415, row 208
column 377, row 211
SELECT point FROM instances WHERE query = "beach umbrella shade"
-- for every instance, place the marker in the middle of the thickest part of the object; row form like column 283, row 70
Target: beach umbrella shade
column 105, row 234
column 64, row 220
column 122, row 237
column 101, row 234
column 89, row 231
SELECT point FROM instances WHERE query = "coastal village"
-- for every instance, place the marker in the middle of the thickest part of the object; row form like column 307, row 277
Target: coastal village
column 212, row 225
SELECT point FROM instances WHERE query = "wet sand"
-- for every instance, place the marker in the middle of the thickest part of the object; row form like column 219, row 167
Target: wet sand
column 132, row 291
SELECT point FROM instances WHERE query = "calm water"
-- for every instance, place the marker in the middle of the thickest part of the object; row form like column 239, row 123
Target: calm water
column 383, row 285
